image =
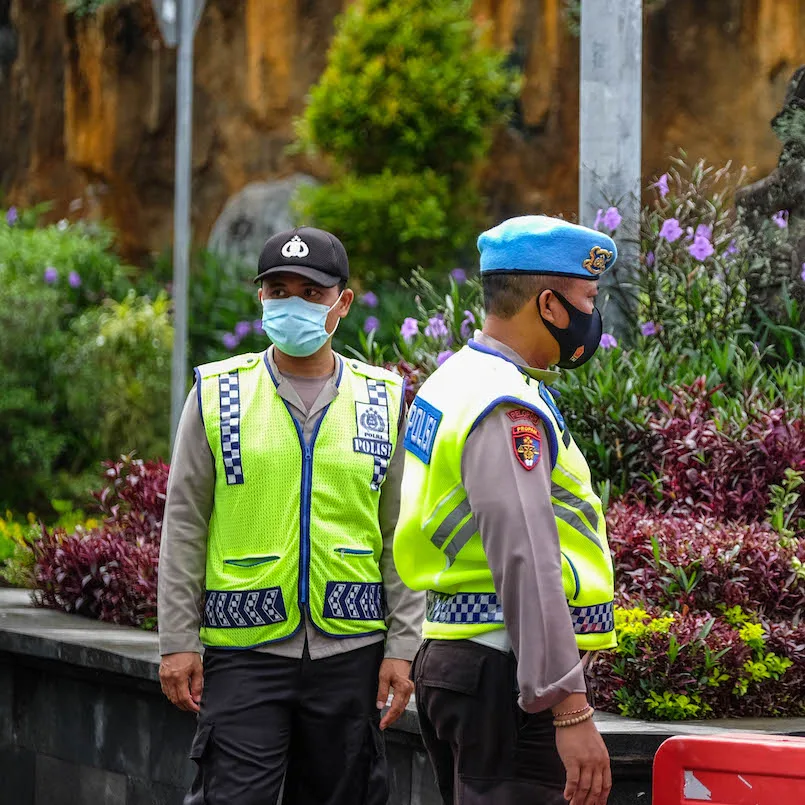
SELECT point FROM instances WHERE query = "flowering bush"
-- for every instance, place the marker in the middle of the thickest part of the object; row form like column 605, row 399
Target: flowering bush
column 697, row 665
column 109, row 572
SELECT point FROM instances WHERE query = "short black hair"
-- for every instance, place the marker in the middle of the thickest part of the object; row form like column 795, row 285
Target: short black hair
column 505, row 294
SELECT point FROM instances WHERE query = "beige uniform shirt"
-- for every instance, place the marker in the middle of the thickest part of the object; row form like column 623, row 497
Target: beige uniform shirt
column 512, row 507
column 182, row 559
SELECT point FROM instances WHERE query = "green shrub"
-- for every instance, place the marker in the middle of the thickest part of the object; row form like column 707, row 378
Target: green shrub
column 116, row 375
column 390, row 221
column 404, row 110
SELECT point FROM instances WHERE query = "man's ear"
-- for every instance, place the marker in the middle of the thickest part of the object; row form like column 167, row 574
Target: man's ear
column 260, row 295
column 347, row 298
column 546, row 302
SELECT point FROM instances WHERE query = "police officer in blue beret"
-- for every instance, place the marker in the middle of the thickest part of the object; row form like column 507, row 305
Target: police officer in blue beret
column 501, row 526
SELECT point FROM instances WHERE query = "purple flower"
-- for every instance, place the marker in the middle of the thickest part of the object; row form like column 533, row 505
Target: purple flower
column 459, row 275
column 437, row 328
column 732, row 248
column 781, row 218
column 612, row 219
column 51, row 275
column 230, row 340
column 12, row 216
column 466, row 325
column 443, row 356
column 701, row 249
column 242, row 329
column 704, row 231
column 257, row 326
column 662, row 185
column 671, row 230
column 371, row 325
column 410, row 328
column 608, row 341
column 802, row 275
column 649, row 259
column 649, row 328
column 74, row 279
column 370, row 299
column 598, row 217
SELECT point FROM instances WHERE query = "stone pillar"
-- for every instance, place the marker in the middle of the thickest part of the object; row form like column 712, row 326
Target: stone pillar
column 610, row 130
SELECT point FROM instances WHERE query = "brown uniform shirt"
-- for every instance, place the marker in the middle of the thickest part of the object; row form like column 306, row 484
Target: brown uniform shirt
column 512, row 507
column 182, row 559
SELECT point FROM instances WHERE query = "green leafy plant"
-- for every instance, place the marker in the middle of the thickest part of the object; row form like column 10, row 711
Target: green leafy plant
column 404, row 111
column 116, row 372
column 784, row 505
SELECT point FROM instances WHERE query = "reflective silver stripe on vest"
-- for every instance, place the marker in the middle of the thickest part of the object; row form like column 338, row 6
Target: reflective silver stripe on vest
column 566, row 496
column 449, row 523
column 573, row 520
column 463, row 536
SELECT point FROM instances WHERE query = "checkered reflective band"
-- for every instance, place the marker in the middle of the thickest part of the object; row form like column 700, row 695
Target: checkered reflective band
column 229, row 395
column 464, row 608
column 244, row 609
column 377, row 396
column 597, row 618
column 354, row 601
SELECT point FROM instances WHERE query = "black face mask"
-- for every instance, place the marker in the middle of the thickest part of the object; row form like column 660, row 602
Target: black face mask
column 579, row 340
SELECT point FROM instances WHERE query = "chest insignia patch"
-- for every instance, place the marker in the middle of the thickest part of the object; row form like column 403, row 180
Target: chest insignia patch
column 527, row 446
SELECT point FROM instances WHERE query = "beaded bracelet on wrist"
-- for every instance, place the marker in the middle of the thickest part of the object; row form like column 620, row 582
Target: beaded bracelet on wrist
column 571, row 722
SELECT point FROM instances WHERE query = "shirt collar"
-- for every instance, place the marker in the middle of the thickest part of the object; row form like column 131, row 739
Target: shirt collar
column 285, row 388
column 545, row 375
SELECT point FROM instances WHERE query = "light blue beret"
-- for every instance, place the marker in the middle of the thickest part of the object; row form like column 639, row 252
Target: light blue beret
column 537, row 244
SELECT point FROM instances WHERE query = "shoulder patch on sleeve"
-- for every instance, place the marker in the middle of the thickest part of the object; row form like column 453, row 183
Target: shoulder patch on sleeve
column 523, row 415
column 527, row 446
column 420, row 435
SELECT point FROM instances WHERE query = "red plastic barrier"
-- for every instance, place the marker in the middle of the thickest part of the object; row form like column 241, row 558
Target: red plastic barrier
column 730, row 770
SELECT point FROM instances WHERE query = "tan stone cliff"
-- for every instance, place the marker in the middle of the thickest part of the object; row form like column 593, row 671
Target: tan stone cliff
column 86, row 105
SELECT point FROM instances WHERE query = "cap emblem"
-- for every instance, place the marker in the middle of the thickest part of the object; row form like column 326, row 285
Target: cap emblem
column 597, row 261
column 295, row 247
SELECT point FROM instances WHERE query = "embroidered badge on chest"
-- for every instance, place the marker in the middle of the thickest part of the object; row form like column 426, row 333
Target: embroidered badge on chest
column 527, row 445
column 373, row 430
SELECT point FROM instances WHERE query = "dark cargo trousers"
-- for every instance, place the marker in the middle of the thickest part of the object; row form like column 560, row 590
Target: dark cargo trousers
column 314, row 724
column 484, row 748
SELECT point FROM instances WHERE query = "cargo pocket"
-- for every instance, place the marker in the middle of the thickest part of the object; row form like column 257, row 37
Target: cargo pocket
column 201, row 742
column 377, row 787
column 200, row 755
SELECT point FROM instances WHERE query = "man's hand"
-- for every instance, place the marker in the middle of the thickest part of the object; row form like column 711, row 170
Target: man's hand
column 394, row 675
column 586, row 761
column 182, row 678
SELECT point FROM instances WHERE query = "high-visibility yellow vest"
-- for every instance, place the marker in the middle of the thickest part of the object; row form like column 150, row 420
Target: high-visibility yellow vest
column 437, row 545
column 294, row 525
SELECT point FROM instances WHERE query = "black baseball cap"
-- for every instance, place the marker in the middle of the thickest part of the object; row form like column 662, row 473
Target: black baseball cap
column 308, row 252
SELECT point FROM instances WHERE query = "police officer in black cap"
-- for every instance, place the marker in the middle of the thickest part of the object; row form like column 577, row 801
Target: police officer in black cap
column 276, row 553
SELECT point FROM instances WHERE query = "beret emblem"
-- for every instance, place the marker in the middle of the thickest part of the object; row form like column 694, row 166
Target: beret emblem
column 597, row 261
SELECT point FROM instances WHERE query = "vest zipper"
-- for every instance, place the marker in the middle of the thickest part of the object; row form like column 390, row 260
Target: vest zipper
column 304, row 519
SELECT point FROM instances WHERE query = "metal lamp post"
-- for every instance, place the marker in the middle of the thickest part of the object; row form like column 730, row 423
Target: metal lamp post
column 178, row 21
column 610, row 128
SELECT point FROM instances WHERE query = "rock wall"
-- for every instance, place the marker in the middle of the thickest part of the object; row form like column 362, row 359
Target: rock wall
column 86, row 104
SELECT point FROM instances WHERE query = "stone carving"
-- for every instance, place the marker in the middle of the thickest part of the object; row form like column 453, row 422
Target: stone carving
column 784, row 187
column 253, row 215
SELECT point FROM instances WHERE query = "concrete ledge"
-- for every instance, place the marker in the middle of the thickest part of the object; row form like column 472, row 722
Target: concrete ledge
column 80, row 701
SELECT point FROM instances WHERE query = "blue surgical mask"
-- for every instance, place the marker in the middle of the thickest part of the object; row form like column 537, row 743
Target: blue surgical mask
column 296, row 326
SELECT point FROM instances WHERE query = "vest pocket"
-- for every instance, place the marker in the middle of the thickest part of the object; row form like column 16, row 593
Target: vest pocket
column 576, row 583
column 250, row 561
column 354, row 551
